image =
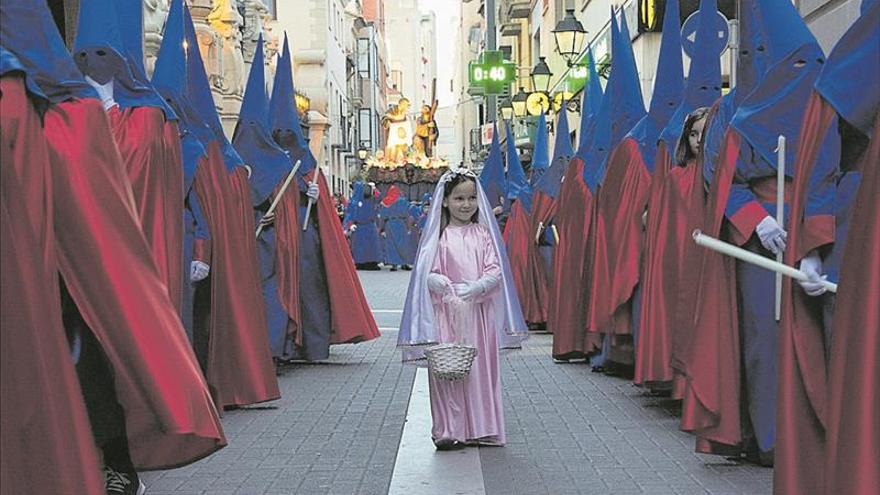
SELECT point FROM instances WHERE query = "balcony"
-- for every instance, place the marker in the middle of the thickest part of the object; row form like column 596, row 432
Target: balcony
column 519, row 9
column 512, row 28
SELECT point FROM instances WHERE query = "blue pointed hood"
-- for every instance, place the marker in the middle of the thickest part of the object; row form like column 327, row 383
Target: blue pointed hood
column 540, row 153
column 284, row 118
column 850, row 80
column 776, row 106
column 100, row 53
column 627, row 104
column 169, row 79
column 594, row 159
column 492, row 177
column 34, row 46
column 198, row 92
column 591, row 102
column 517, row 184
column 704, row 77
column 130, row 14
column 668, row 88
column 283, row 112
column 562, row 153
column 269, row 163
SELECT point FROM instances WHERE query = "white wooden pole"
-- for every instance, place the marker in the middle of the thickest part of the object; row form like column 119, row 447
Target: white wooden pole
column 780, row 214
column 275, row 201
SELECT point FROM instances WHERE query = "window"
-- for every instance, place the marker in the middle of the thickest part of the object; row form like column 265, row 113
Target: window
column 363, row 58
column 365, row 128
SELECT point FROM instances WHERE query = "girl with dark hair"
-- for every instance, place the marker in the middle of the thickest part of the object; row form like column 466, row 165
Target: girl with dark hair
column 461, row 291
column 689, row 142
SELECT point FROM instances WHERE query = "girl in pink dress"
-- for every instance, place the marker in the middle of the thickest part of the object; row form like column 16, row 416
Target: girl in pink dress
column 462, row 291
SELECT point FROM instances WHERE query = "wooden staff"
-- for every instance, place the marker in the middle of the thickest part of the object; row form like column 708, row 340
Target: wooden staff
column 275, row 201
column 311, row 202
column 756, row 259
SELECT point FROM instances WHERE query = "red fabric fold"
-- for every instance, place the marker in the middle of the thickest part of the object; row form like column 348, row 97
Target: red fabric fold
column 711, row 358
column 853, row 433
column 144, row 142
column 668, row 233
column 622, row 201
column 351, row 318
column 287, row 225
column 522, row 264
column 239, row 365
column 802, row 392
column 568, row 304
column 46, row 444
column 107, row 266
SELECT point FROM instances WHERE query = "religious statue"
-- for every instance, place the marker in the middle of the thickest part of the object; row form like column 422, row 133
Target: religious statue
column 398, row 132
column 155, row 13
column 226, row 20
column 426, row 130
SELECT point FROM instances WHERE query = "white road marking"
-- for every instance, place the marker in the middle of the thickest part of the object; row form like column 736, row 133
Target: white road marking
column 420, row 468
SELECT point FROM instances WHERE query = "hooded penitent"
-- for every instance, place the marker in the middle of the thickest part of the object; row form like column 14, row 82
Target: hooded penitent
column 104, row 259
column 833, row 153
column 627, row 108
column 735, row 300
column 278, row 244
column 492, row 177
column 143, row 125
column 231, row 339
column 625, row 190
column 566, row 315
column 361, row 214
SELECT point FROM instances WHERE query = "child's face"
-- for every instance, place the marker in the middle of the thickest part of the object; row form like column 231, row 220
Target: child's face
column 696, row 135
column 462, row 203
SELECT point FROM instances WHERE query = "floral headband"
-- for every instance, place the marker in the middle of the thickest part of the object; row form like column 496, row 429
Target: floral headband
column 455, row 172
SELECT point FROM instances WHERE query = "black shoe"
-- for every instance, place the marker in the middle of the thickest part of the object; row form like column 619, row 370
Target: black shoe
column 122, row 483
column 407, row 268
column 393, row 268
column 448, row 444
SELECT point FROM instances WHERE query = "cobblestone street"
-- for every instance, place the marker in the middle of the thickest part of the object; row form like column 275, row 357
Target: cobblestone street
column 338, row 428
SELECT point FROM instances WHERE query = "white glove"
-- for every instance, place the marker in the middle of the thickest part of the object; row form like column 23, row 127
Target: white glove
column 313, row 192
column 645, row 218
column 439, row 284
column 353, row 227
column 771, row 234
column 467, row 291
column 812, row 266
column 105, row 92
column 198, row 271
column 268, row 219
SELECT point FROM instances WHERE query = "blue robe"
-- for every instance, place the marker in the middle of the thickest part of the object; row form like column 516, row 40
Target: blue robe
column 395, row 220
column 365, row 239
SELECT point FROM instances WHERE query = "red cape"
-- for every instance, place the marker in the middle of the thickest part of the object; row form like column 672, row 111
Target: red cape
column 543, row 211
column 524, row 264
column 239, row 366
column 144, row 142
column 351, row 317
column 287, row 225
column 802, row 392
column 711, row 359
column 567, row 315
column 46, row 445
column 671, row 208
column 853, row 433
column 107, row 266
column 622, row 201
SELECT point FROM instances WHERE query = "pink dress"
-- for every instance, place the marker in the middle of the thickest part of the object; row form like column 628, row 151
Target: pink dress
column 469, row 410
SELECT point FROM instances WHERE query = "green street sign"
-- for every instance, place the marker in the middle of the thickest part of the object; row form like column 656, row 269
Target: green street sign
column 491, row 73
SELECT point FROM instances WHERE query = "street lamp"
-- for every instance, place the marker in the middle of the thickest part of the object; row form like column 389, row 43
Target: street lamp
column 506, row 109
column 541, row 76
column 570, row 35
column 519, row 102
column 362, row 154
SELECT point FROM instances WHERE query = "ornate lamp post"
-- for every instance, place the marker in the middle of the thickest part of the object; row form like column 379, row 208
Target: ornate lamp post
column 541, row 75
column 519, row 102
column 506, row 109
column 570, row 36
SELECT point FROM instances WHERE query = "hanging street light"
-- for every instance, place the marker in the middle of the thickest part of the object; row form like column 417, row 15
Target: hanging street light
column 506, row 109
column 570, row 36
column 519, row 102
column 541, row 76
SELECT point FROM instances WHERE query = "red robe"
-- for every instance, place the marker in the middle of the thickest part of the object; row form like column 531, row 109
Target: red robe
column 152, row 158
column 567, row 315
column 620, row 206
column 711, row 358
column 46, row 445
column 239, row 366
column 287, row 225
column 543, row 212
column 671, row 210
column 351, row 318
column 519, row 237
column 108, row 268
column 852, row 438
column 802, row 404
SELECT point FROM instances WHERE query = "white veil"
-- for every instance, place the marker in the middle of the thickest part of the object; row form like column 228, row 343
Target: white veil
column 417, row 328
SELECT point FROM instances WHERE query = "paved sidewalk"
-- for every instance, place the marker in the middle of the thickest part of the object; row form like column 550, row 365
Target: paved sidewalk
column 338, row 427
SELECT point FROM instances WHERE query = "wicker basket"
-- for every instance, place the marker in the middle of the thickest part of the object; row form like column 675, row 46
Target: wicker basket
column 450, row 361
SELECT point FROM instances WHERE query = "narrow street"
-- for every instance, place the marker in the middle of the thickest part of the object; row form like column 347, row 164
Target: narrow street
column 339, row 425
